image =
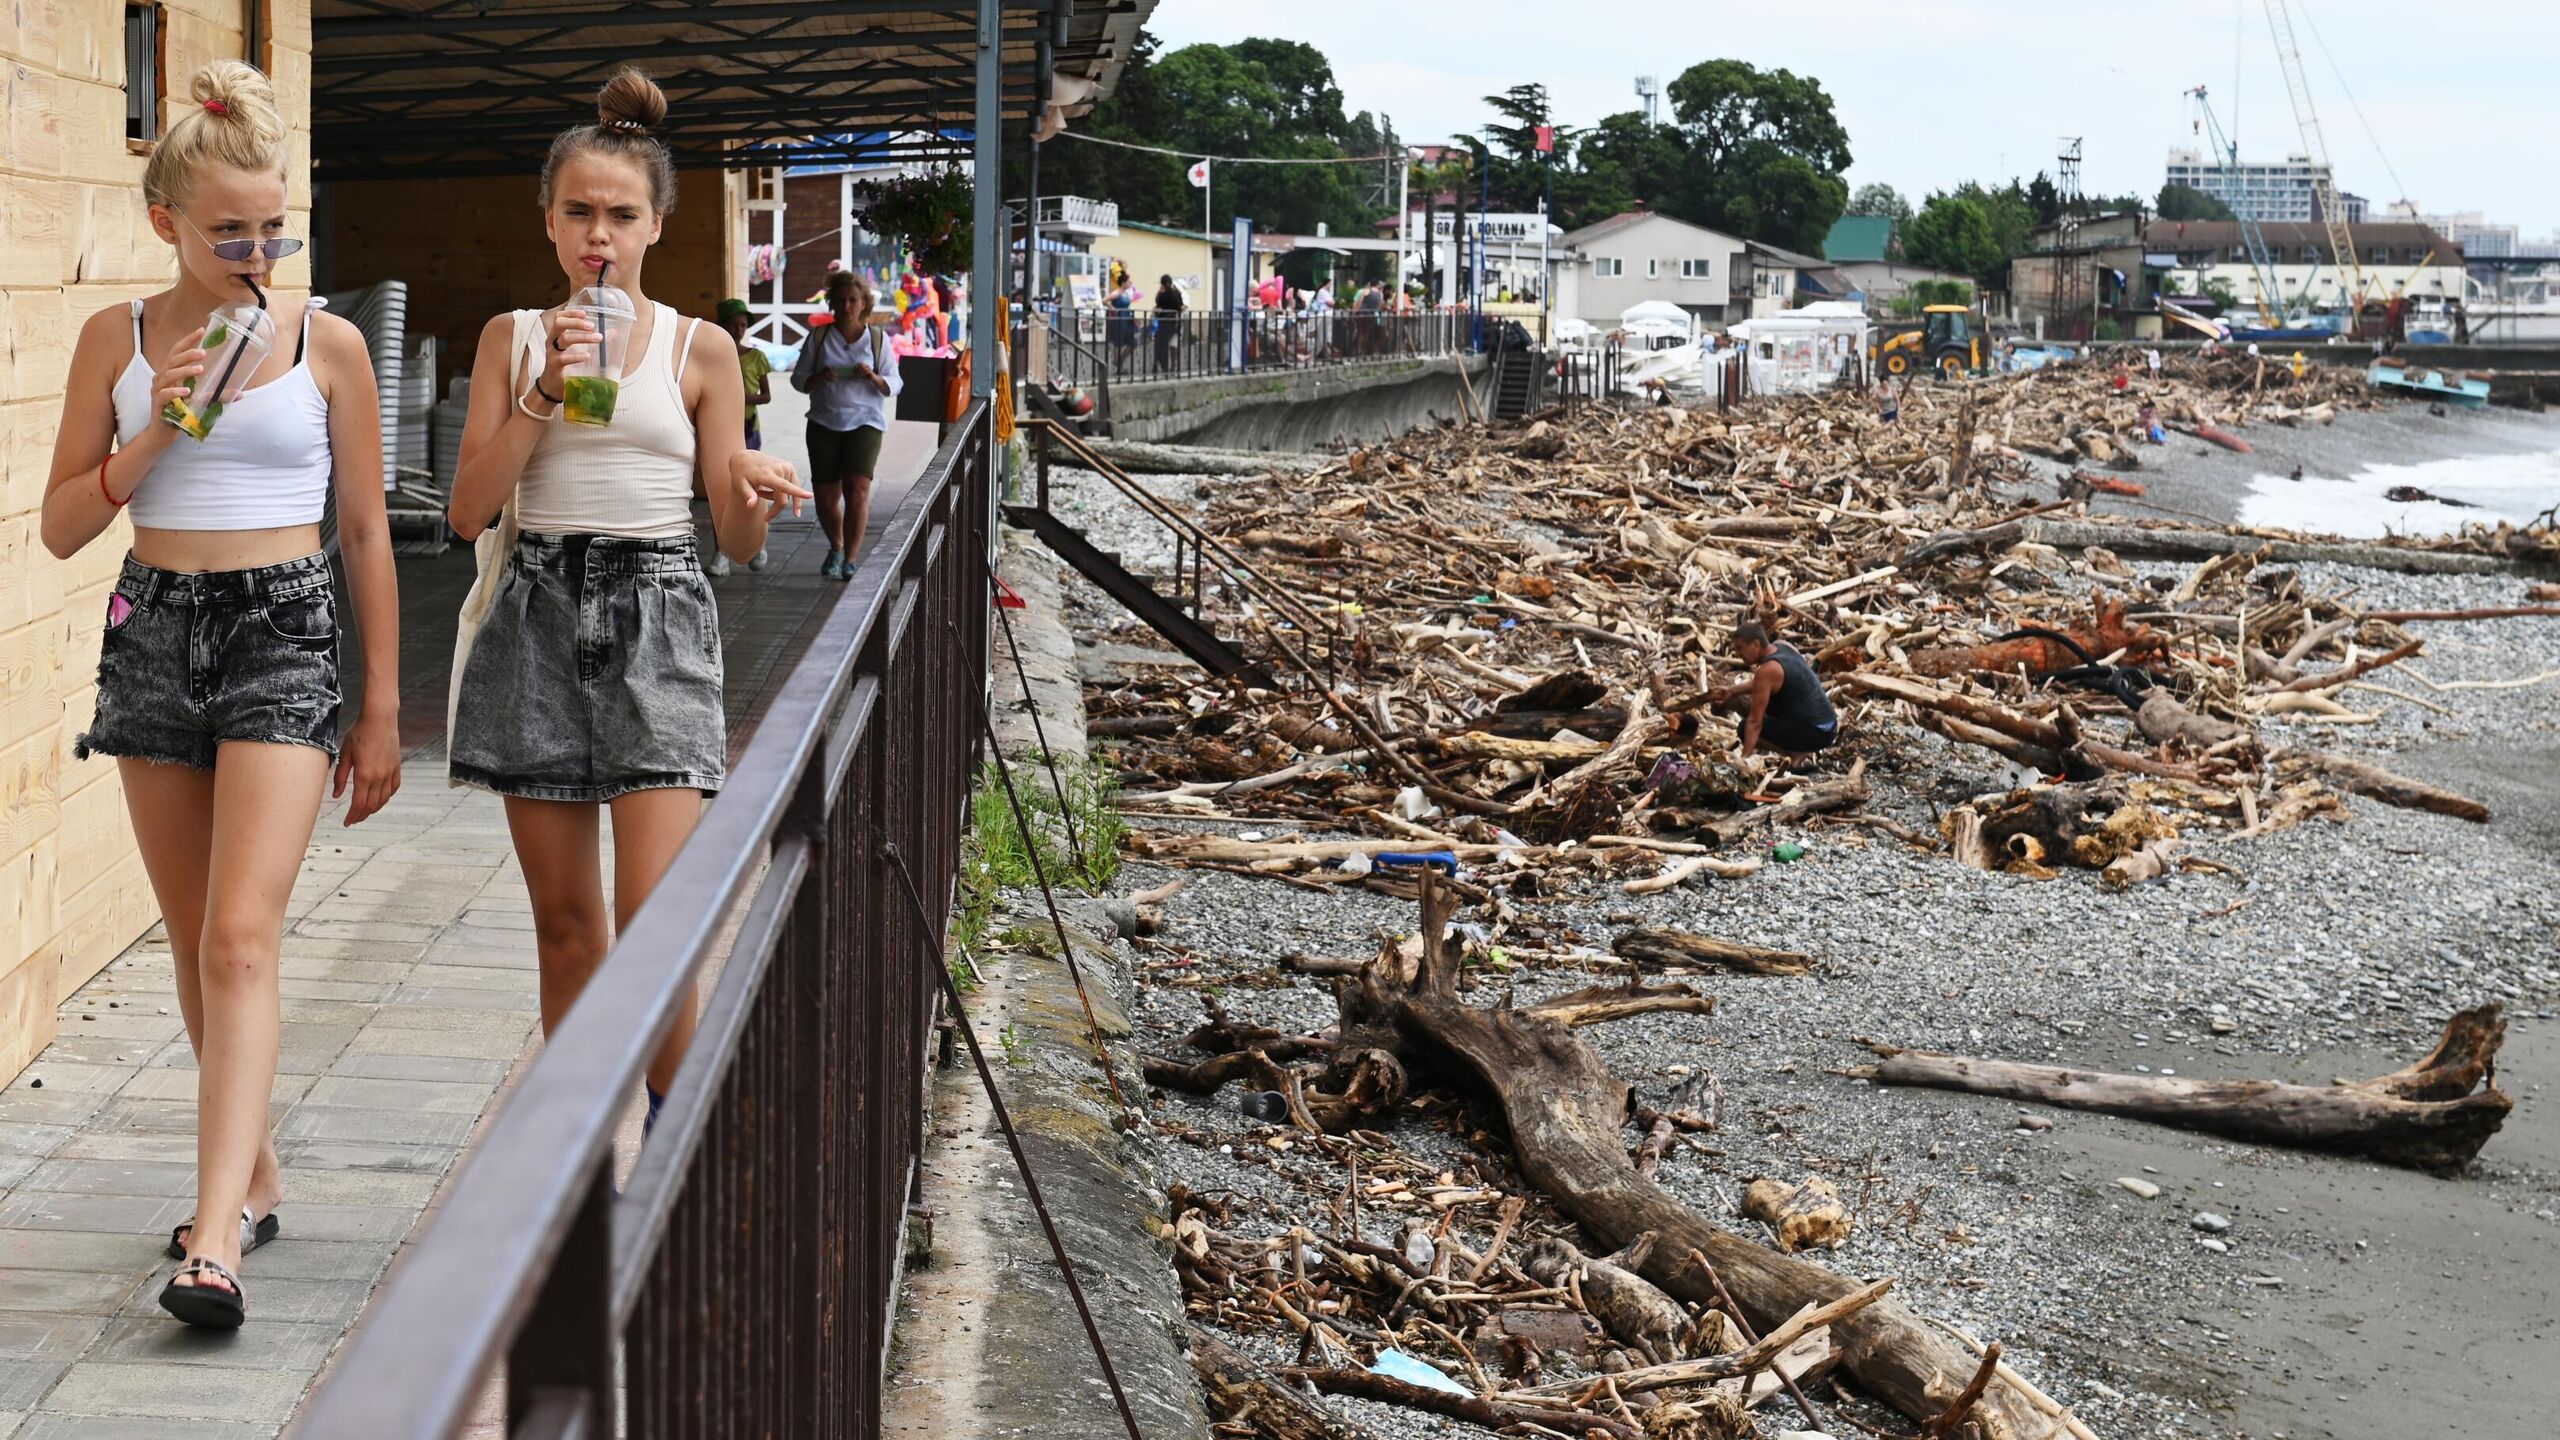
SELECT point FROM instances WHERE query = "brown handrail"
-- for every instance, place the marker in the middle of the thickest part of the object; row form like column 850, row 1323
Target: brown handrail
column 1240, row 571
column 749, row 1275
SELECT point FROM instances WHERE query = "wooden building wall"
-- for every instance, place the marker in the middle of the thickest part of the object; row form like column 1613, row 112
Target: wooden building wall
column 75, row 238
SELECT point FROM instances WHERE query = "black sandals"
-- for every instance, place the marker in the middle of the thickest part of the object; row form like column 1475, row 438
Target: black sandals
column 202, row 1304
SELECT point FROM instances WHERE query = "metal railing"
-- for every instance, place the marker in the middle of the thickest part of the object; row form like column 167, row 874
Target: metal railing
column 1196, row 343
column 749, row 1274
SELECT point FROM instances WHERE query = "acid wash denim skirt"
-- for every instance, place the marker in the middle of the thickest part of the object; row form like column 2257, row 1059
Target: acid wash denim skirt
column 595, row 674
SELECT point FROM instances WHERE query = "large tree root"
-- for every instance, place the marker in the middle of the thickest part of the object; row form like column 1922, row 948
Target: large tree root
column 2430, row 1116
column 1567, row 1115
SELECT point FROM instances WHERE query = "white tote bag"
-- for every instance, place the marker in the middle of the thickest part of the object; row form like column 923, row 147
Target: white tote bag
column 496, row 543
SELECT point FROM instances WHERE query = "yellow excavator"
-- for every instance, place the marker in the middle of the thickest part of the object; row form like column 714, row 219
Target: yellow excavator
column 1950, row 341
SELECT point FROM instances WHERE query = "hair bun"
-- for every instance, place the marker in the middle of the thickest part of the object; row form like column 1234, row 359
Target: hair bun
column 233, row 90
column 630, row 103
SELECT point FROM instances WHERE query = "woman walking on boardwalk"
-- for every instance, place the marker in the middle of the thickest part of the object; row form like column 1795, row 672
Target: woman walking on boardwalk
column 849, row 371
column 587, row 668
column 218, row 670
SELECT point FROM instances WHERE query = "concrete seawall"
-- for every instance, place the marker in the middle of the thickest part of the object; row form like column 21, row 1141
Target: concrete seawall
column 1294, row 410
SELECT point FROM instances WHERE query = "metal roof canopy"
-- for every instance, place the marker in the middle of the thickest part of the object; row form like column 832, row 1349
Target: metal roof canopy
column 418, row 88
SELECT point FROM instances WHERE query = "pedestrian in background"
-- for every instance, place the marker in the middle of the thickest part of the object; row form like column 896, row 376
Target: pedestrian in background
column 849, row 371
column 757, row 368
column 1168, row 321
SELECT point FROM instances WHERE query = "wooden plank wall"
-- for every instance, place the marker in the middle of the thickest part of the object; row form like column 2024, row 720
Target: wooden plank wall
column 484, row 250
column 75, row 238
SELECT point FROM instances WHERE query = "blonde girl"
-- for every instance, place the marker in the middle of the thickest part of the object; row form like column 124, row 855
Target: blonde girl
column 218, row 674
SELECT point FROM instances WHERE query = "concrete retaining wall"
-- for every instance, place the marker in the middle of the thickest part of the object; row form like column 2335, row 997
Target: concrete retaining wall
column 987, row 1342
column 1294, row 410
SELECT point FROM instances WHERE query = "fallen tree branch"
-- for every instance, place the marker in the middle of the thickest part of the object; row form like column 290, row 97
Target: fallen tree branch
column 2374, row 782
column 2374, row 1119
column 1659, row 945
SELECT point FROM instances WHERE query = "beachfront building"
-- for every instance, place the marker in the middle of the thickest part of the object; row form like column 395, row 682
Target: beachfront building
column 1604, row 270
column 2270, row 190
column 2399, row 258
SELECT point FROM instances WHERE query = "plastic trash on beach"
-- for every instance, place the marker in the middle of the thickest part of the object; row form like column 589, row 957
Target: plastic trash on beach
column 1356, row 863
column 1397, row 1365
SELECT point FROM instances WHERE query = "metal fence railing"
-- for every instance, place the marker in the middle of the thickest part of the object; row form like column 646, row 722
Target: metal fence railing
column 745, row 1282
column 1148, row 346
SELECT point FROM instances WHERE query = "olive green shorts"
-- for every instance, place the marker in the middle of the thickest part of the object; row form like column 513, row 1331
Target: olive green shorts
column 839, row 455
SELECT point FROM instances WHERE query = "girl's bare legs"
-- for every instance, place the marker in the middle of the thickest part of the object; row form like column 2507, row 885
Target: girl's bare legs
column 649, row 827
column 557, row 843
column 172, row 810
column 265, row 799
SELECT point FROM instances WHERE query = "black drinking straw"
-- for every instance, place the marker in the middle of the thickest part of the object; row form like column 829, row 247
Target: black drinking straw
column 225, row 382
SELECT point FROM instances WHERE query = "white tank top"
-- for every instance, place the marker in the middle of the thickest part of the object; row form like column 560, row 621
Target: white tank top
column 266, row 463
column 633, row 478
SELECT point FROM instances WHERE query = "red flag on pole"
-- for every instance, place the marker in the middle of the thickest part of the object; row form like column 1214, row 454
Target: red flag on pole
column 1546, row 139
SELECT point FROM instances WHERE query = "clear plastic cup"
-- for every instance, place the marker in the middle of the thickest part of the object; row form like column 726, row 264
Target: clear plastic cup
column 589, row 388
column 237, row 340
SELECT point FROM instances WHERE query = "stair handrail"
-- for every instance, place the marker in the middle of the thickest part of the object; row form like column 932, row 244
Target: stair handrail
column 1253, row 582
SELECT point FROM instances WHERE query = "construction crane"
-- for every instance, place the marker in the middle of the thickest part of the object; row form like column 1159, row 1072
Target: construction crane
column 2324, row 185
column 2261, row 260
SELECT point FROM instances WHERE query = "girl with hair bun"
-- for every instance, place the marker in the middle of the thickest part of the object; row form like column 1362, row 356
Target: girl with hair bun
column 587, row 671
column 218, row 684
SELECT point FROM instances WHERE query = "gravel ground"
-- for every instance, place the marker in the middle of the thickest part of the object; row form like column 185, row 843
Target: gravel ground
column 2352, row 1299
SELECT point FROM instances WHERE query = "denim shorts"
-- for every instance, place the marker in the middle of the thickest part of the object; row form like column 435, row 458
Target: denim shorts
column 191, row 661
column 596, row 673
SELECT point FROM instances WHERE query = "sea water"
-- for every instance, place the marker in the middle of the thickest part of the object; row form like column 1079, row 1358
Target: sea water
column 2489, row 488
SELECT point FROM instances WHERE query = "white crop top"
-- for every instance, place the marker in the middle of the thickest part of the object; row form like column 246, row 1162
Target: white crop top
column 632, row 479
column 266, row 463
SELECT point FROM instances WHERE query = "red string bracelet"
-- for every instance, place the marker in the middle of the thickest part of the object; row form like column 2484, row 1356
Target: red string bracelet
column 102, row 484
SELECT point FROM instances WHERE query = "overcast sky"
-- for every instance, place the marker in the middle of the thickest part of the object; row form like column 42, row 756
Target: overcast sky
column 1938, row 91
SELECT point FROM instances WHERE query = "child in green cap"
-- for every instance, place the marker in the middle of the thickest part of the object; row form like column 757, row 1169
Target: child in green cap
column 734, row 317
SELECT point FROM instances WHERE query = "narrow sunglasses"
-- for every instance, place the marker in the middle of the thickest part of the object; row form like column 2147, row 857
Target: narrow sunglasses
column 236, row 251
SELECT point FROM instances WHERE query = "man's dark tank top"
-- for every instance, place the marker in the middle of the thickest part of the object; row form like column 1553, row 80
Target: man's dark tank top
column 1799, row 700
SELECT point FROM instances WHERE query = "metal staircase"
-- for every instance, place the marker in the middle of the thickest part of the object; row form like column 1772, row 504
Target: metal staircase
column 1196, row 553
column 1515, row 383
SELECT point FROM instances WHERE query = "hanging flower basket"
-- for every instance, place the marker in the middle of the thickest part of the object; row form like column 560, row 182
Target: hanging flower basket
column 931, row 210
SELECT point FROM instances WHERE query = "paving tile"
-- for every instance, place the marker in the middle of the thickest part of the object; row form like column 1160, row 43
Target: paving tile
column 144, row 1391
column 70, row 1292
column 55, row 1249
column 366, row 1155
column 70, row 1210
column 172, row 1084
column 313, row 1221
column 265, row 1343
column 365, row 992
column 114, row 1177
column 494, row 1039
column 34, row 1335
column 339, row 1185
column 176, row 1147
column 385, row 931
column 23, row 1382
column 486, row 937
column 15, row 1168
column 363, row 1123
column 110, row 1427
column 62, row 1078
column 422, row 1096
column 20, row 1137
column 444, row 953
column 462, row 997
column 292, row 1257
column 312, row 967
column 48, row 1106
column 447, row 1068
column 326, row 1014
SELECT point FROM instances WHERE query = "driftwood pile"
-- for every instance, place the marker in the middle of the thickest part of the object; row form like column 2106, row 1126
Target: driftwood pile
column 1521, row 625
column 1672, row 1335
column 1518, row 628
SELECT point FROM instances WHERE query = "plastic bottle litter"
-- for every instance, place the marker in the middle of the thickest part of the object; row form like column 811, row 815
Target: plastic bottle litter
column 1356, row 863
column 1786, row 851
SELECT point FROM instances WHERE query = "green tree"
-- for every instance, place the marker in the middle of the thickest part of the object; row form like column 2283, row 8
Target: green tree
column 1880, row 199
column 1956, row 232
column 1763, row 153
column 2185, row 202
column 1622, row 162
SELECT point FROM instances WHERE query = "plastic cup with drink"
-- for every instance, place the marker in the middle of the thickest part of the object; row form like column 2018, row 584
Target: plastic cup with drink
column 237, row 340
column 589, row 388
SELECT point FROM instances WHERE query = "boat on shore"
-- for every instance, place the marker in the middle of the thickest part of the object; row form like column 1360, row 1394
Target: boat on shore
column 2453, row 387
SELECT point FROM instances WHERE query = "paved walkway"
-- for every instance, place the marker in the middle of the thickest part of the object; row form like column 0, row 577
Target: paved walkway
column 408, row 1002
